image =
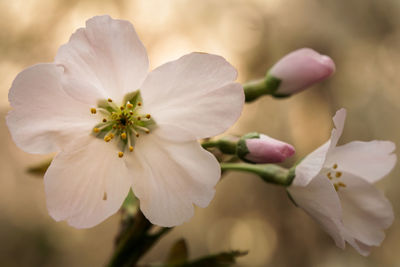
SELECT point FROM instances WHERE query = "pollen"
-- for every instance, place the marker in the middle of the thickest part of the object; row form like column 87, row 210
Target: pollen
column 130, row 148
column 335, row 166
column 107, row 138
column 96, row 130
column 148, row 116
column 93, row 110
column 123, row 136
column 120, row 154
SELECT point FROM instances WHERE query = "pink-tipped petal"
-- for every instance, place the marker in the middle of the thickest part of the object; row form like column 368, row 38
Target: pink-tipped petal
column 301, row 69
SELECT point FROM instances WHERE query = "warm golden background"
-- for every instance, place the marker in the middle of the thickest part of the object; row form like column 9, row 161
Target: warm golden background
column 362, row 36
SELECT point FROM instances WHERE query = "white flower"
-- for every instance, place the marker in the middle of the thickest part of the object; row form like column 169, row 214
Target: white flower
column 86, row 107
column 334, row 186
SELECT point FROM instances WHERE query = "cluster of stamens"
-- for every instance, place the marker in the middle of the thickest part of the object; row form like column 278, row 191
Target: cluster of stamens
column 334, row 176
column 122, row 124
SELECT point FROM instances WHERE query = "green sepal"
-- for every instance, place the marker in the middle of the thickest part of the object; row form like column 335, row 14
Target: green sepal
column 241, row 147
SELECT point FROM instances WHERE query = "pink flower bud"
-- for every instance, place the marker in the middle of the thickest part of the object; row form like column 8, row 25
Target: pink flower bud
column 267, row 150
column 301, row 69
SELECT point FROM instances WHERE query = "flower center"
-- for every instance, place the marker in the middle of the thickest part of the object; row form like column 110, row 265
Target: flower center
column 334, row 177
column 122, row 124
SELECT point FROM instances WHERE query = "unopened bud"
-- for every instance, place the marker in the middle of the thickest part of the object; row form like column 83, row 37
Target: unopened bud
column 259, row 148
column 301, row 69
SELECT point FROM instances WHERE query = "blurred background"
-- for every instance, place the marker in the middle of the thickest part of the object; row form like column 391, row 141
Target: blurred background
column 363, row 38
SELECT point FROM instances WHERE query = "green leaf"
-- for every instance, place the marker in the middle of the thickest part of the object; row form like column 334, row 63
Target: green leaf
column 178, row 253
column 39, row 169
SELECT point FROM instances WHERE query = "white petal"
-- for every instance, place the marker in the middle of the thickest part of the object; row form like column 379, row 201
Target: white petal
column 44, row 117
column 368, row 160
column 319, row 199
column 311, row 165
column 195, row 93
column 107, row 57
column 366, row 211
column 86, row 183
column 174, row 177
column 338, row 120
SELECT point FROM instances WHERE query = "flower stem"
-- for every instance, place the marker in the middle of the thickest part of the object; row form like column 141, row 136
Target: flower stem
column 226, row 146
column 270, row 173
column 135, row 241
column 266, row 86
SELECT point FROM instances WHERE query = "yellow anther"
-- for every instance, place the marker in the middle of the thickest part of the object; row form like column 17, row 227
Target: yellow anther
column 147, row 131
column 111, row 135
column 130, row 148
column 107, row 138
column 329, row 175
column 105, row 196
column 120, row 154
column 123, row 136
column 148, row 116
column 104, row 120
column 129, row 105
column 338, row 174
column 139, row 104
column 336, row 187
column 96, row 130
column 341, row 184
column 109, row 100
column 93, row 110
column 335, row 166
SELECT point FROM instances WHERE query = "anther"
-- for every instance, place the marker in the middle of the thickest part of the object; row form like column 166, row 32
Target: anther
column 338, row 174
column 104, row 120
column 147, row 131
column 335, row 166
column 109, row 100
column 93, row 110
column 137, row 135
column 111, row 135
column 130, row 148
column 123, row 136
column 341, row 184
column 129, row 105
column 96, row 130
column 131, row 112
column 121, row 108
column 139, row 118
column 336, row 187
column 107, row 138
column 120, row 154
column 148, row 116
column 139, row 104
column 105, row 196
column 114, row 126
column 329, row 175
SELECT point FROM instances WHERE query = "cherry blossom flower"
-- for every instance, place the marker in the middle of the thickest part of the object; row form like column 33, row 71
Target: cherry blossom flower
column 301, row 69
column 116, row 126
column 260, row 148
column 334, row 185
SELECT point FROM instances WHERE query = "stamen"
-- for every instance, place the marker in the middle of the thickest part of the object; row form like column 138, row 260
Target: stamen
column 93, row 110
column 341, row 184
column 120, row 154
column 109, row 100
column 335, row 166
column 338, row 174
column 105, row 196
column 144, row 129
column 336, row 187
column 123, row 136
column 139, row 103
column 129, row 105
column 139, row 118
column 104, row 120
column 130, row 148
column 148, row 116
column 329, row 175
column 121, row 107
column 107, row 138
column 96, row 130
